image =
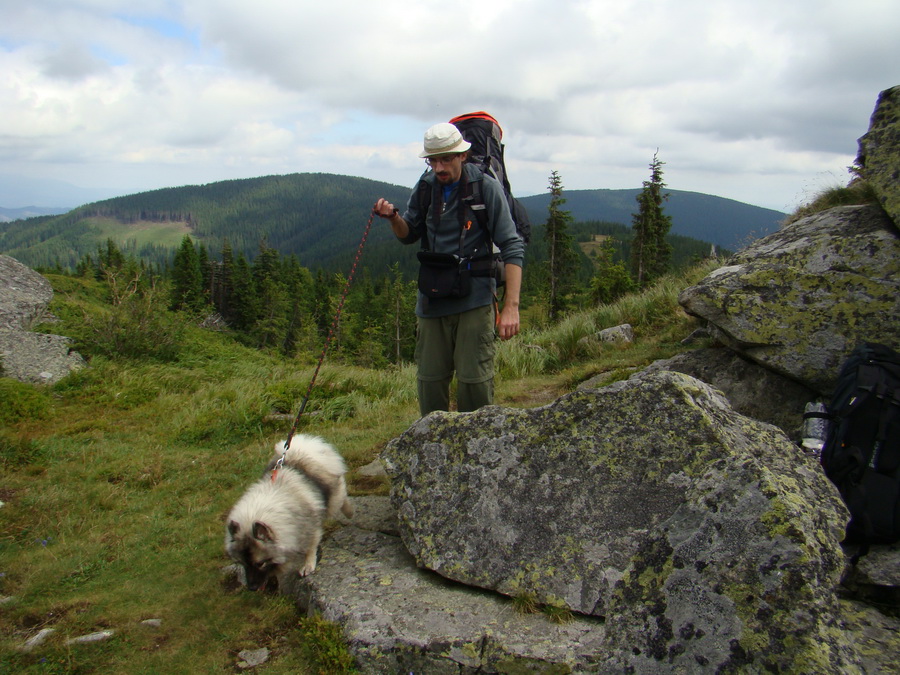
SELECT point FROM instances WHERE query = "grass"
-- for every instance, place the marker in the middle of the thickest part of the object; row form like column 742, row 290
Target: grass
column 857, row 192
column 116, row 482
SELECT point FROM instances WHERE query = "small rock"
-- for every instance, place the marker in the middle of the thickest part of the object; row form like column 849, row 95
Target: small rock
column 99, row 636
column 623, row 333
column 374, row 468
column 38, row 639
column 250, row 658
column 152, row 623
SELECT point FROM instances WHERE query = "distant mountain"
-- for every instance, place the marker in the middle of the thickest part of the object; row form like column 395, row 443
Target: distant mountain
column 724, row 222
column 19, row 192
column 7, row 215
column 320, row 218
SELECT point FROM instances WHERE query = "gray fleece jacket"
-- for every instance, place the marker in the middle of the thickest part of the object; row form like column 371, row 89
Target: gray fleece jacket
column 443, row 236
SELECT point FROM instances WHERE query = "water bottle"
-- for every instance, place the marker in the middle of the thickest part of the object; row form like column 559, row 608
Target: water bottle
column 815, row 427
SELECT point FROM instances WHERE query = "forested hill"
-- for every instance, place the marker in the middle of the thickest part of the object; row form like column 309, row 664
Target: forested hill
column 320, row 218
column 315, row 216
column 724, row 222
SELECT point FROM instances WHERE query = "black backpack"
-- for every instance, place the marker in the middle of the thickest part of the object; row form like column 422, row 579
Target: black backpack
column 484, row 133
column 861, row 454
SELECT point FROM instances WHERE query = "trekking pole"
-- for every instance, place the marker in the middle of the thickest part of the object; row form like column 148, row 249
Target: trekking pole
column 280, row 462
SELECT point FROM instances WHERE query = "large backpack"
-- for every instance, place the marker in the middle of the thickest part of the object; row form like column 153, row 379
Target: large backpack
column 485, row 135
column 861, row 454
column 487, row 152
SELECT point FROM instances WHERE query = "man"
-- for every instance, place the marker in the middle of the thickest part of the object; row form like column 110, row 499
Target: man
column 456, row 334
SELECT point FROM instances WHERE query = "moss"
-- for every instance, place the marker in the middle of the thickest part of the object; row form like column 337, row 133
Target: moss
column 519, row 667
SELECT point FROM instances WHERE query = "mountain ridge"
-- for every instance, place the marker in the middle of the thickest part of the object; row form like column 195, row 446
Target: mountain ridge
column 319, row 218
column 727, row 223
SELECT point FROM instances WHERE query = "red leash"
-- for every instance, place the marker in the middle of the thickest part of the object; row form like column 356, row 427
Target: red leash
column 280, row 462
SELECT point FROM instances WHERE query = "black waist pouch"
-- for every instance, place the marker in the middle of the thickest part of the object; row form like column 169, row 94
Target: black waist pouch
column 444, row 275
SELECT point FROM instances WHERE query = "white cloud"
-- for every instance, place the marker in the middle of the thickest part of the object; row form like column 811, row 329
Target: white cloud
column 748, row 101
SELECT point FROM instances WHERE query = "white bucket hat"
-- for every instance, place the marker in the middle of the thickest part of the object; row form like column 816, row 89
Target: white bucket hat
column 444, row 139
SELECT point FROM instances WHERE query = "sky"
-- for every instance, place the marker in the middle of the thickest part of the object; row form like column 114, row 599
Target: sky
column 761, row 101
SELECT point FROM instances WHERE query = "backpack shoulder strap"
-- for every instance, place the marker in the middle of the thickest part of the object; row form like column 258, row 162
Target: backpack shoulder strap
column 475, row 200
column 426, row 199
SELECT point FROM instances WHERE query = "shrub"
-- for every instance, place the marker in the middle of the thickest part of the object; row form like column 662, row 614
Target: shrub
column 21, row 402
column 138, row 327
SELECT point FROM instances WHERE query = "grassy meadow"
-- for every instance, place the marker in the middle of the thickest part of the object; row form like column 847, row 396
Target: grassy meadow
column 116, row 481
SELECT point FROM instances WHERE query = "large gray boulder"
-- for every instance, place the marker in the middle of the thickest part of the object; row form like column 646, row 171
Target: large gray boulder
column 700, row 535
column 24, row 295
column 799, row 300
column 398, row 618
column 879, row 152
column 37, row 358
column 30, row 357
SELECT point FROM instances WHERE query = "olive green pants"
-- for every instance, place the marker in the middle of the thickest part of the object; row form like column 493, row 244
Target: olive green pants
column 460, row 343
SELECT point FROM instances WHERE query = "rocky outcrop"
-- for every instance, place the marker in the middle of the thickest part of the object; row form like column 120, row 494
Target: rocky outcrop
column 699, row 535
column 878, row 159
column 24, row 295
column 399, row 618
column 798, row 301
column 26, row 356
column 751, row 389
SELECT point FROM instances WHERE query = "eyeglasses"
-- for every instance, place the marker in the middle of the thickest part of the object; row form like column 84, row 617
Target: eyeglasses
column 443, row 159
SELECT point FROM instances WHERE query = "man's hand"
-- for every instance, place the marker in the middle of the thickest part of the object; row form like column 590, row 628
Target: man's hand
column 388, row 211
column 508, row 321
column 508, row 325
column 384, row 208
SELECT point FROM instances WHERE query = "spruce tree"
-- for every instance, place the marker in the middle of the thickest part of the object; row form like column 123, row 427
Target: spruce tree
column 300, row 333
column 611, row 280
column 650, row 252
column 187, row 279
column 561, row 263
column 271, row 324
column 222, row 281
column 244, row 303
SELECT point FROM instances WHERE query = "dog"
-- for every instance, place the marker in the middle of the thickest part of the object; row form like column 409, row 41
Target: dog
column 275, row 528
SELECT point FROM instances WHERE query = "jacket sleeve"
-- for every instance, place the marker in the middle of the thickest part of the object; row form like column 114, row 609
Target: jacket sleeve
column 413, row 215
column 503, row 229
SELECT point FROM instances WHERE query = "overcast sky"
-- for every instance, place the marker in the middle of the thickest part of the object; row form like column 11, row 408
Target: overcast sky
column 759, row 100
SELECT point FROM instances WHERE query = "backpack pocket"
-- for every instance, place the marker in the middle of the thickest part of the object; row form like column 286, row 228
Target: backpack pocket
column 444, row 275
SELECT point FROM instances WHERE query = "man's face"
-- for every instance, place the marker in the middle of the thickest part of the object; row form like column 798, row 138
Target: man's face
column 447, row 168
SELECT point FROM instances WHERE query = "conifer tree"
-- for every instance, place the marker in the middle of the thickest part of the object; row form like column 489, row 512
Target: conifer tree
column 222, row 281
column 187, row 279
column 206, row 273
column 611, row 280
column 270, row 327
column 650, row 252
column 300, row 332
column 109, row 259
column 244, row 304
column 399, row 295
column 561, row 262
column 323, row 304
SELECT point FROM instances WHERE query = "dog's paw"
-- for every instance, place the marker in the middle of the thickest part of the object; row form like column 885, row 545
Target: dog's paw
column 307, row 569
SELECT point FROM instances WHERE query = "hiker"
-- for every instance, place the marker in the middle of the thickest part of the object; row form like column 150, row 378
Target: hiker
column 457, row 306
